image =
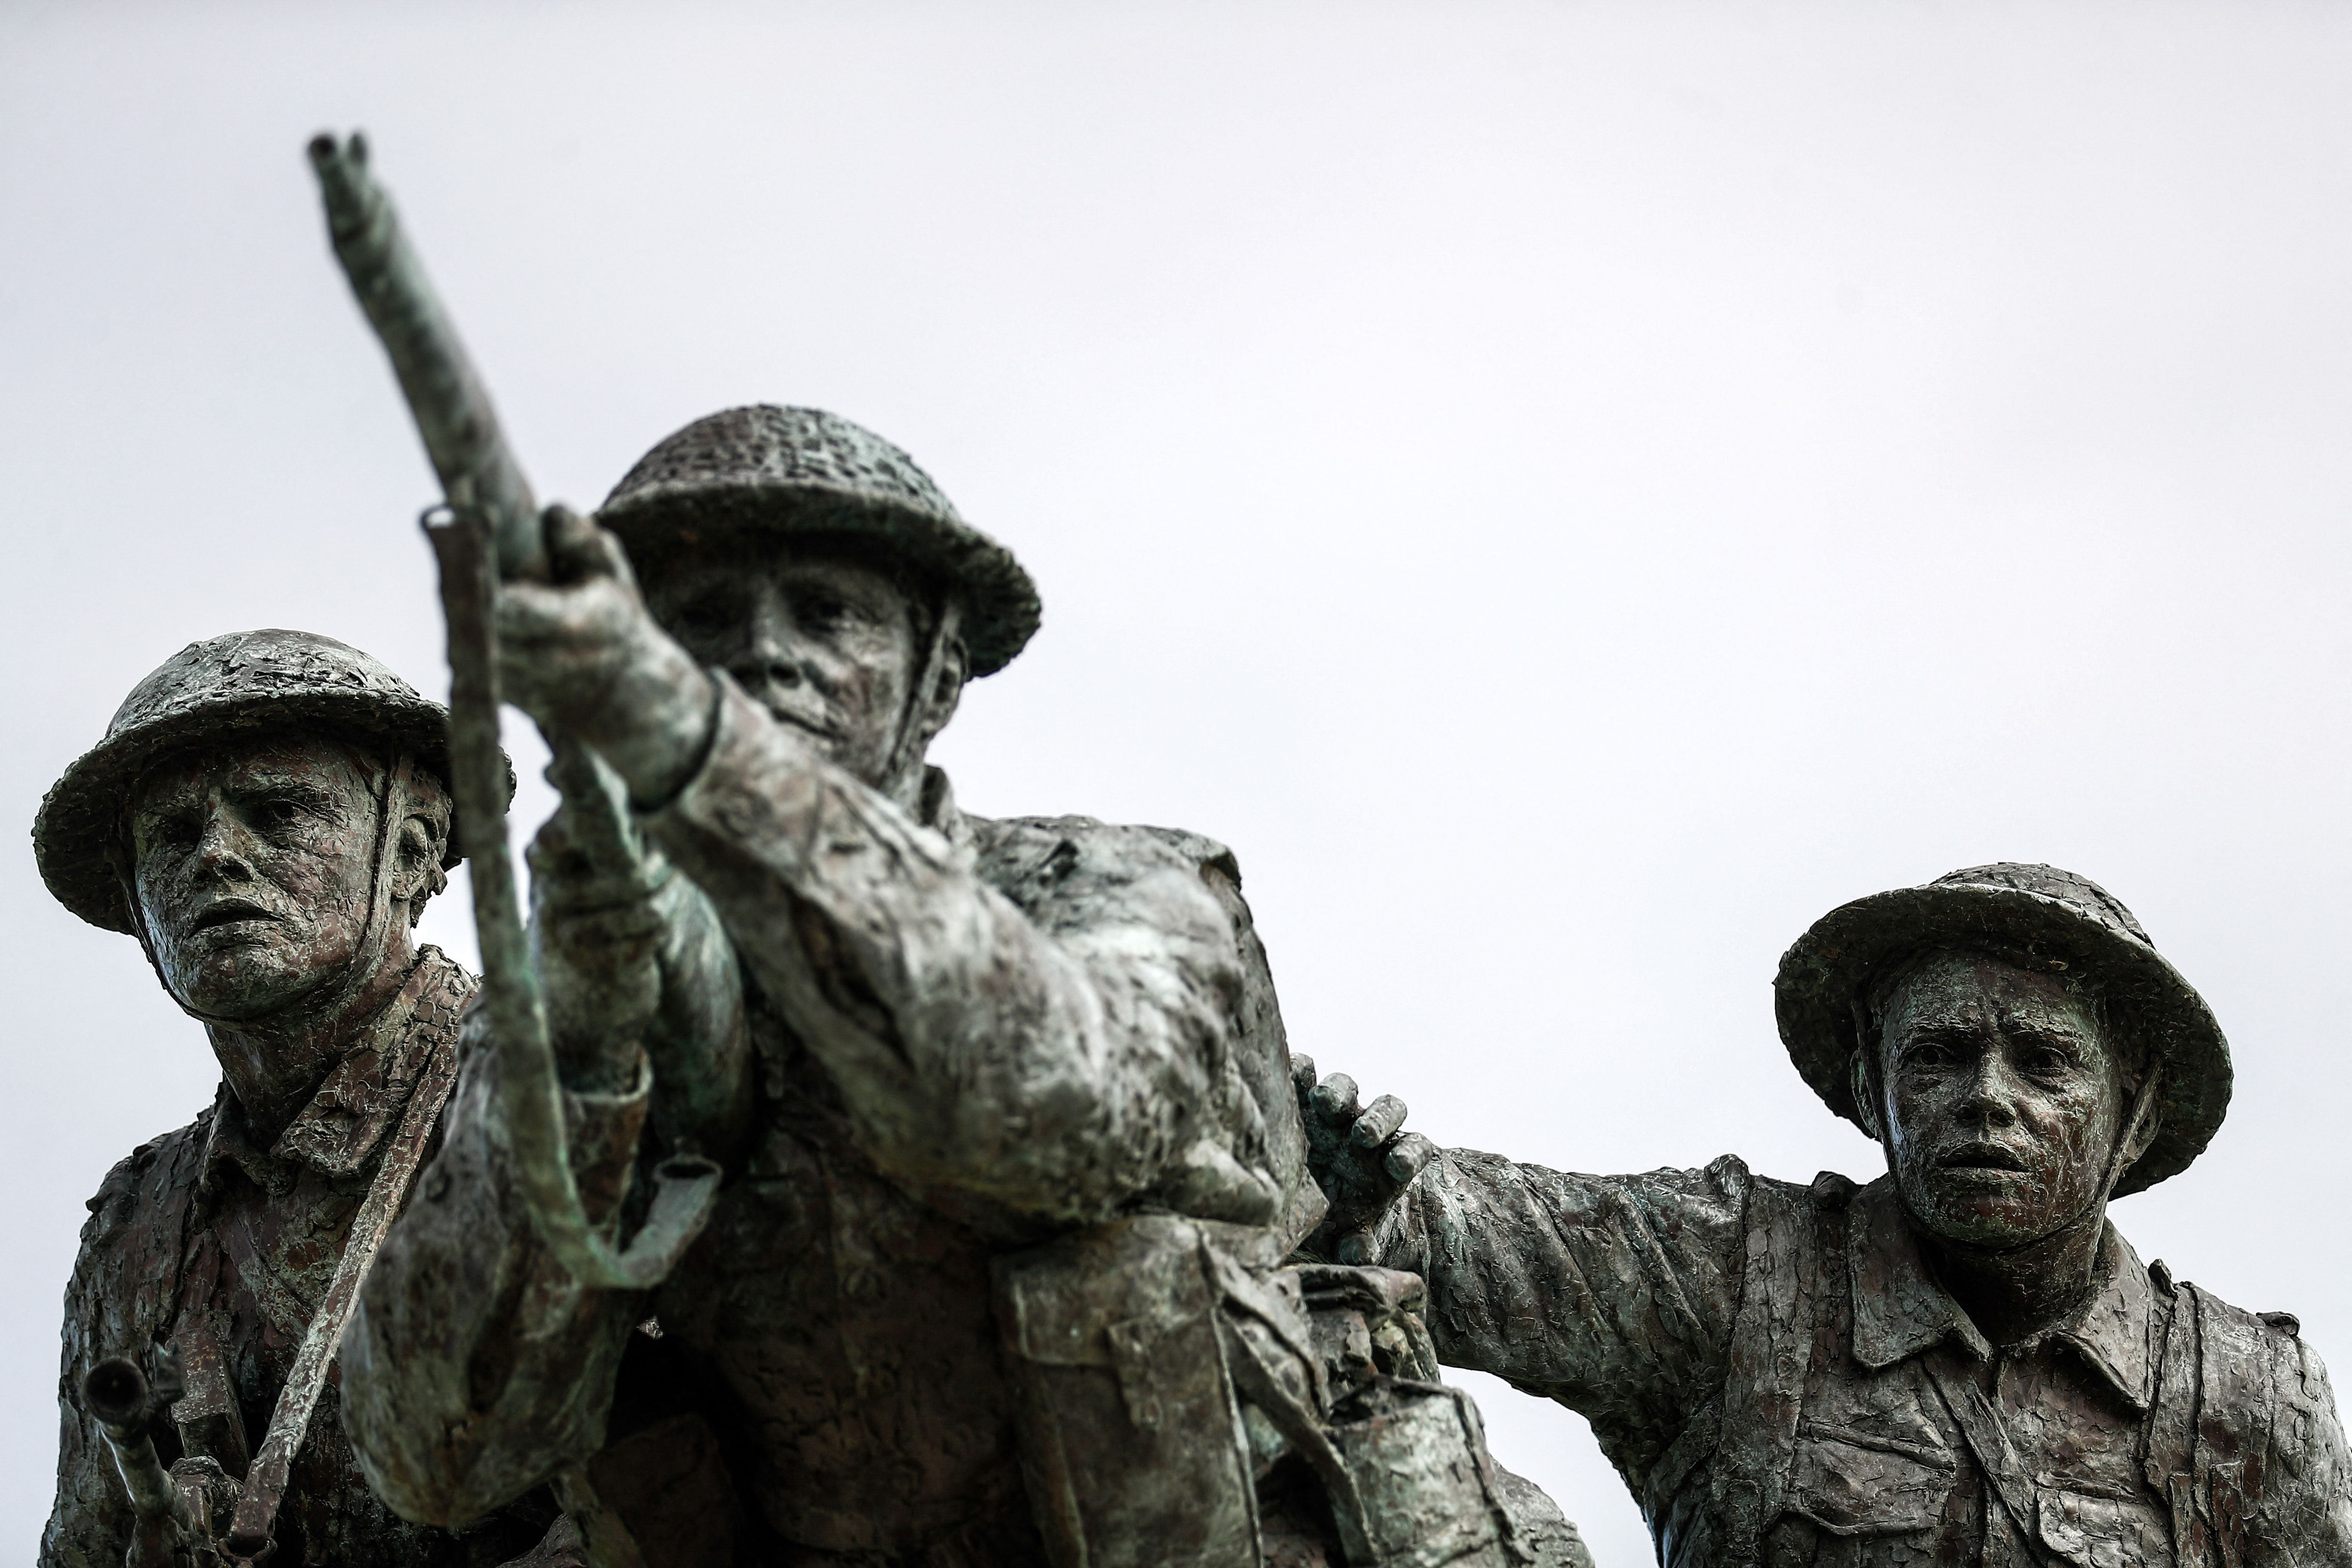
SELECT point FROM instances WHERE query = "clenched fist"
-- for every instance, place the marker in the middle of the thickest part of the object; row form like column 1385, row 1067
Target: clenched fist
column 580, row 654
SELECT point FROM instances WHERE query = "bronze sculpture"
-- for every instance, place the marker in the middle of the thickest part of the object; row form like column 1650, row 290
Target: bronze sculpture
column 1960, row 1361
column 267, row 814
column 936, row 1060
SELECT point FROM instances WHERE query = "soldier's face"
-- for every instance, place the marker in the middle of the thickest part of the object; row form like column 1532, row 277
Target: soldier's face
column 2002, row 1102
column 254, row 868
column 826, row 645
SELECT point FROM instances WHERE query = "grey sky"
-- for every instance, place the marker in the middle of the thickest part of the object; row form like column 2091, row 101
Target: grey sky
column 1569, row 492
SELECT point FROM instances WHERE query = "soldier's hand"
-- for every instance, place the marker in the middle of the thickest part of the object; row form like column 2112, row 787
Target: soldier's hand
column 580, row 654
column 1357, row 1155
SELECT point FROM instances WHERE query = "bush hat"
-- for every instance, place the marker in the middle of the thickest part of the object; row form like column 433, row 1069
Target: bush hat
column 2041, row 914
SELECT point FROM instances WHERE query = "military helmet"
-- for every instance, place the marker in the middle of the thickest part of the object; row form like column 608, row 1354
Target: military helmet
column 765, row 470
column 244, row 682
column 2045, row 916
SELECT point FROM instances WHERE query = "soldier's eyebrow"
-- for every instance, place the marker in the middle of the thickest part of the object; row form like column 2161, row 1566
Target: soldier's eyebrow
column 2060, row 1040
column 1936, row 1032
column 274, row 785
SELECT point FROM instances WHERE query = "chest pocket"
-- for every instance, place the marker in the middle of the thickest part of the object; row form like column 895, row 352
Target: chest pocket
column 1852, row 1483
column 2096, row 1531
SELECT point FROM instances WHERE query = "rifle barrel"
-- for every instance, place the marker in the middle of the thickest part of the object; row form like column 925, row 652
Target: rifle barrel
column 446, row 397
column 117, row 1394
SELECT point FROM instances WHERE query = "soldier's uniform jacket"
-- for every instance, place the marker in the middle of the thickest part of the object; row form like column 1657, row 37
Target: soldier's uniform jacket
column 1009, row 1028
column 1779, row 1379
column 209, row 1239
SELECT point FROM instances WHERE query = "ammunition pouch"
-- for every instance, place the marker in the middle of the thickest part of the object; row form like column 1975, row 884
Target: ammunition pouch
column 1182, row 1399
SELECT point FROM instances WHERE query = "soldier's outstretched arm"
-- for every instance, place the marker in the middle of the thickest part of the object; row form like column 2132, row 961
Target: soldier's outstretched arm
column 2305, row 1514
column 1613, row 1295
column 475, row 1367
column 1057, row 1072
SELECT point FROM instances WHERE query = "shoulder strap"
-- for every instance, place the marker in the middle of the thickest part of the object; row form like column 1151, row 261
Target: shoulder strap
column 2168, row 1440
column 1784, row 1289
column 265, row 1485
column 2235, row 1403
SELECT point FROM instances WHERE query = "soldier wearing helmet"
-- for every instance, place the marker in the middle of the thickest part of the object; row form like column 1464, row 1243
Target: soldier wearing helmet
column 267, row 814
column 1004, row 1106
column 1960, row 1361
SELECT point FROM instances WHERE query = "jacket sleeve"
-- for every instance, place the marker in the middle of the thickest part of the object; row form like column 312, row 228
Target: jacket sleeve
column 2305, row 1514
column 125, row 1278
column 1057, row 1061
column 474, row 1367
column 633, row 964
column 1613, row 1295
column 90, row 1521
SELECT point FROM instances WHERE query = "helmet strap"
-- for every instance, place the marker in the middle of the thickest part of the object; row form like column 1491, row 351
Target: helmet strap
column 908, row 746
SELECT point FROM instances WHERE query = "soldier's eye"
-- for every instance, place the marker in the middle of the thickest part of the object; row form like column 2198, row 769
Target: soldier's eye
column 817, row 609
column 711, row 614
column 279, row 814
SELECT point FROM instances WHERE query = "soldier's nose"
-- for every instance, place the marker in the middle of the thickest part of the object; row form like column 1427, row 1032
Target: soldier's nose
column 767, row 665
column 222, row 851
column 1987, row 1107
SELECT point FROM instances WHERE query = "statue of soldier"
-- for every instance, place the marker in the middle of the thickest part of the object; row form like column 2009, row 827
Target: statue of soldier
column 1961, row 1361
column 267, row 814
column 1012, row 1147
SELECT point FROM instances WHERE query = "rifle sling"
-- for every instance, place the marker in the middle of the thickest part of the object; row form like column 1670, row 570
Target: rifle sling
column 249, row 1536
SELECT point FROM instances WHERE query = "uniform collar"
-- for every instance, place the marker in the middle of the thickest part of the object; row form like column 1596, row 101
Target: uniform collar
column 1899, row 1310
column 346, row 1119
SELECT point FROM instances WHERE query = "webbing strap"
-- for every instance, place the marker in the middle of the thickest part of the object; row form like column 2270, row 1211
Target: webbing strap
column 264, row 1484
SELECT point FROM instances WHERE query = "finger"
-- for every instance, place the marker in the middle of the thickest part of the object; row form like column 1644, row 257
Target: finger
column 1302, row 1073
column 527, row 612
column 1380, row 1120
column 577, row 548
column 1410, row 1156
column 1335, row 1098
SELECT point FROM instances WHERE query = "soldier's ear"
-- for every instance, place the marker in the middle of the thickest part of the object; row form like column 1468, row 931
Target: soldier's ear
column 421, row 842
column 1865, row 1089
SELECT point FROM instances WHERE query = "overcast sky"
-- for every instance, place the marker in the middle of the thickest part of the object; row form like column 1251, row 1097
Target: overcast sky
column 1570, row 492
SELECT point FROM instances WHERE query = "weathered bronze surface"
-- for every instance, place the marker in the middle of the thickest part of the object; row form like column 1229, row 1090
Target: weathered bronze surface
column 266, row 813
column 1961, row 1361
column 1004, row 1270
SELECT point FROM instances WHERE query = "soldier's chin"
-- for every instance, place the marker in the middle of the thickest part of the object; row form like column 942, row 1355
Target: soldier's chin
column 240, row 985
column 1984, row 1208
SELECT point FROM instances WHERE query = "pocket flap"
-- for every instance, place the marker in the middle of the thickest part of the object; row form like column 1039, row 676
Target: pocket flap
column 1848, row 1486
column 2096, row 1531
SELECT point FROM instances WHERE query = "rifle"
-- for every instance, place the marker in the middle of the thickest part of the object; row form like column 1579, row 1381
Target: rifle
column 489, row 530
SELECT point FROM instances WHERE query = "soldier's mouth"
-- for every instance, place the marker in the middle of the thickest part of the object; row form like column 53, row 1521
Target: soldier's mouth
column 806, row 723
column 1982, row 1157
column 229, row 911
